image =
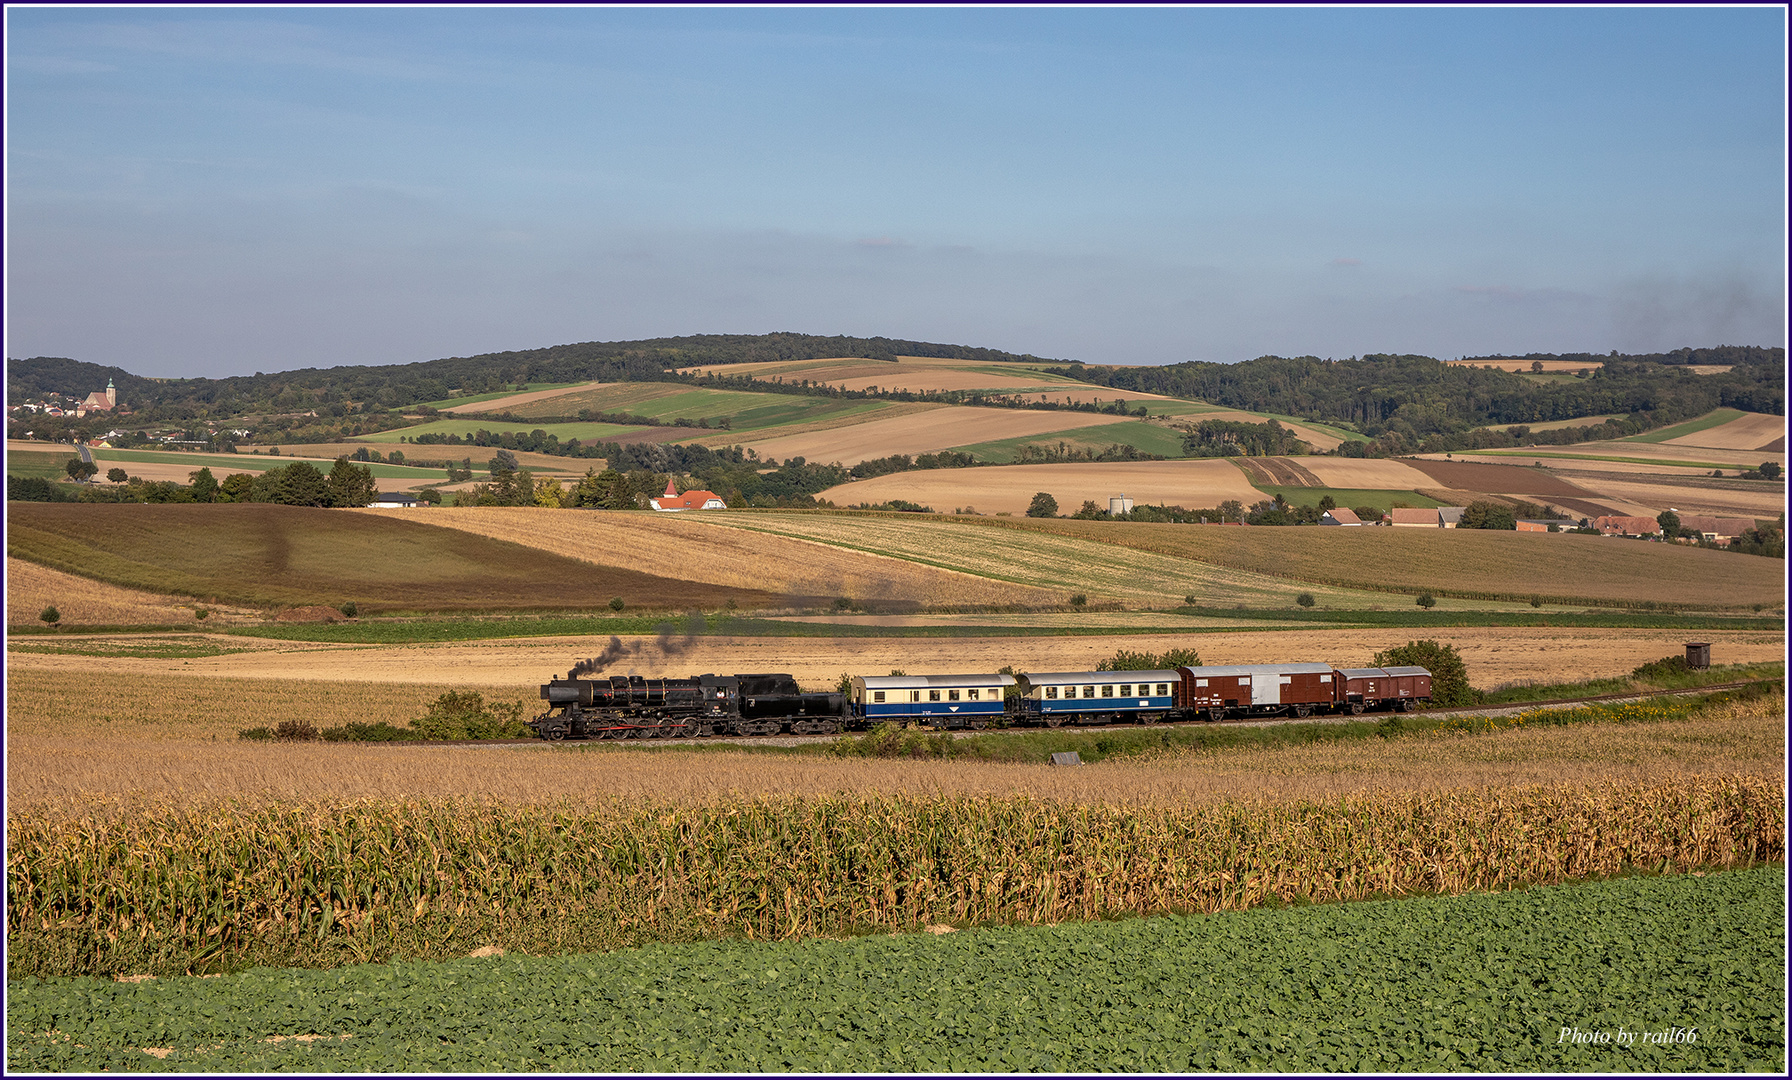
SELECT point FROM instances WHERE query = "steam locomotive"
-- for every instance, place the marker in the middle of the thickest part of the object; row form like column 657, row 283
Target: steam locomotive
column 631, row 707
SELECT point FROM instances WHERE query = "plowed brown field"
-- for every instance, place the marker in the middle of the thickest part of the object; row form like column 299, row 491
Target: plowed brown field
column 1499, row 479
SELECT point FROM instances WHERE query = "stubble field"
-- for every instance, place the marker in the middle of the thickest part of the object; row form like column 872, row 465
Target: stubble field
column 1010, row 488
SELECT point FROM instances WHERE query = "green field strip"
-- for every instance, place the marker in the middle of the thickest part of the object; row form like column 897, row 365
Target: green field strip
column 584, row 432
column 1381, row 498
column 1151, row 438
column 474, row 399
column 46, row 464
column 1487, row 982
column 1714, row 418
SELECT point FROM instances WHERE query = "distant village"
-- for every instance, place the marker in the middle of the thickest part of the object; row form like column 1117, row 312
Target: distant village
column 106, row 401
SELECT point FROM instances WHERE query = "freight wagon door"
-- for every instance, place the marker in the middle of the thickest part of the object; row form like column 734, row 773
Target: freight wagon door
column 1308, row 688
column 1266, row 688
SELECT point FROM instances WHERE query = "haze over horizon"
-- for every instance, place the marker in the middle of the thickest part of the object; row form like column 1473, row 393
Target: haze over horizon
column 219, row 191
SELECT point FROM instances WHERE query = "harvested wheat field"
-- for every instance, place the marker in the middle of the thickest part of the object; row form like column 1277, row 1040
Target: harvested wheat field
column 1010, row 488
column 31, row 588
column 528, row 398
column 691, row 548
column 916, row 433
column 1363, row 473
column 513, row 668
column 1549, row 366
column 80, row 761
column 1750, row 431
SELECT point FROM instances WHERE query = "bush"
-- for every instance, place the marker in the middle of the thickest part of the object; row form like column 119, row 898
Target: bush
column 50, row 615
column 466, row 715
column 1665, row 668
column 1078, row 600
column 1426, row 601
column 616, row 603
column 1127, row 660
column 256, row 734
column 1042, row 506
column 202, row 614
column 349, row 610
column 295, row 731
column 1536, row 601
column 1305, row 599
column 380, row 732
column 1449, row 676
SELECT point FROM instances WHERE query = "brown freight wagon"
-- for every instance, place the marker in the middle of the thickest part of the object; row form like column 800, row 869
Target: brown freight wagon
column 1256, row 689
column 1361, row 689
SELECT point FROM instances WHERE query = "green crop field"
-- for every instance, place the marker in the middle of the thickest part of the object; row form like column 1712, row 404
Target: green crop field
column 1151, row 438
column 584, row 432
column 746, row 411
column 1462, row 563
column 1352, row 497
column 261, row 554
column 1714, row 418
column 1679, row 973
column 50, row 465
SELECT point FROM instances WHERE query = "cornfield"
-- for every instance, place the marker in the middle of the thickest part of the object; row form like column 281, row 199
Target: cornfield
column 168, row 889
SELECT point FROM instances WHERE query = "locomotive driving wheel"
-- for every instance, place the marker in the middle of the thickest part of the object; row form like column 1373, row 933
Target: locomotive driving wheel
column 554, row 732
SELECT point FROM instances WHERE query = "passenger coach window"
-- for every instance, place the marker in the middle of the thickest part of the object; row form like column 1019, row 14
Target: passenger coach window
column 1088, row 691
column 933, row 695
column 877, row 696
column 1051, row 693
column 951, row 695
column 914, row 695
column 1107, row 691
column 1125, row 689
column 971, row 694
column 1163, row 689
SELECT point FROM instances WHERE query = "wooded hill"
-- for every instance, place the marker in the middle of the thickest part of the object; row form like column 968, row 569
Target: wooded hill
column 332, row 391
column 1412, row 401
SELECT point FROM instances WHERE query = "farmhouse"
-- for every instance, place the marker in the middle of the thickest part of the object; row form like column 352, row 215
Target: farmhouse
column 396, row 500
column 1340, row 516
column 1624, row 525
column 1718, row 529
column 696, row 499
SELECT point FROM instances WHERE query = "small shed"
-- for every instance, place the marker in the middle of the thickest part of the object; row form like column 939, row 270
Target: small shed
column 1698, row 655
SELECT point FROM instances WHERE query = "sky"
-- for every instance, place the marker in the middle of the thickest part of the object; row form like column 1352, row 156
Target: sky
column 215, row 191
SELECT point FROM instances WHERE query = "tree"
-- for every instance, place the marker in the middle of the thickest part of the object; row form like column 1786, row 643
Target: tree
column 204, row 485
column 1670, row 524
column 1537, row 367
column 1483, row 514
column 1042, row 506
column 117, row 475
column 431, row 496
column 1305, row 600
column 237, row 487
column 1089, row 511
column 79, row 470
column 1326, row 502
column 616, row 603
column 1770, row 469
column 548, row 493
column 503, row 459
column 1426, row 601
column 299, row 484
column 349, row 485
column 1449, row 676
column 50, row 616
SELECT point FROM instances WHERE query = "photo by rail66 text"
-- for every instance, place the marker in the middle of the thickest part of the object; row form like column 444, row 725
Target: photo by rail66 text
column 1625, row 1037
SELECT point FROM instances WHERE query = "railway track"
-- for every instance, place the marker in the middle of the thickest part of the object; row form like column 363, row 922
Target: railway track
column 1465, row 710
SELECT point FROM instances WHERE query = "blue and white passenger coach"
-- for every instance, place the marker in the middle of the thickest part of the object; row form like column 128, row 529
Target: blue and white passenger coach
column 1097, row 697
column 941, row 700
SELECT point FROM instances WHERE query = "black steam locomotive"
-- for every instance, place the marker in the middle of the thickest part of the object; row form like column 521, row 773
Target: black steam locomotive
column 631, row 707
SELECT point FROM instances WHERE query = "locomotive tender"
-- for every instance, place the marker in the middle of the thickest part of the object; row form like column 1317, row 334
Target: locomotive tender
column 631, row 707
